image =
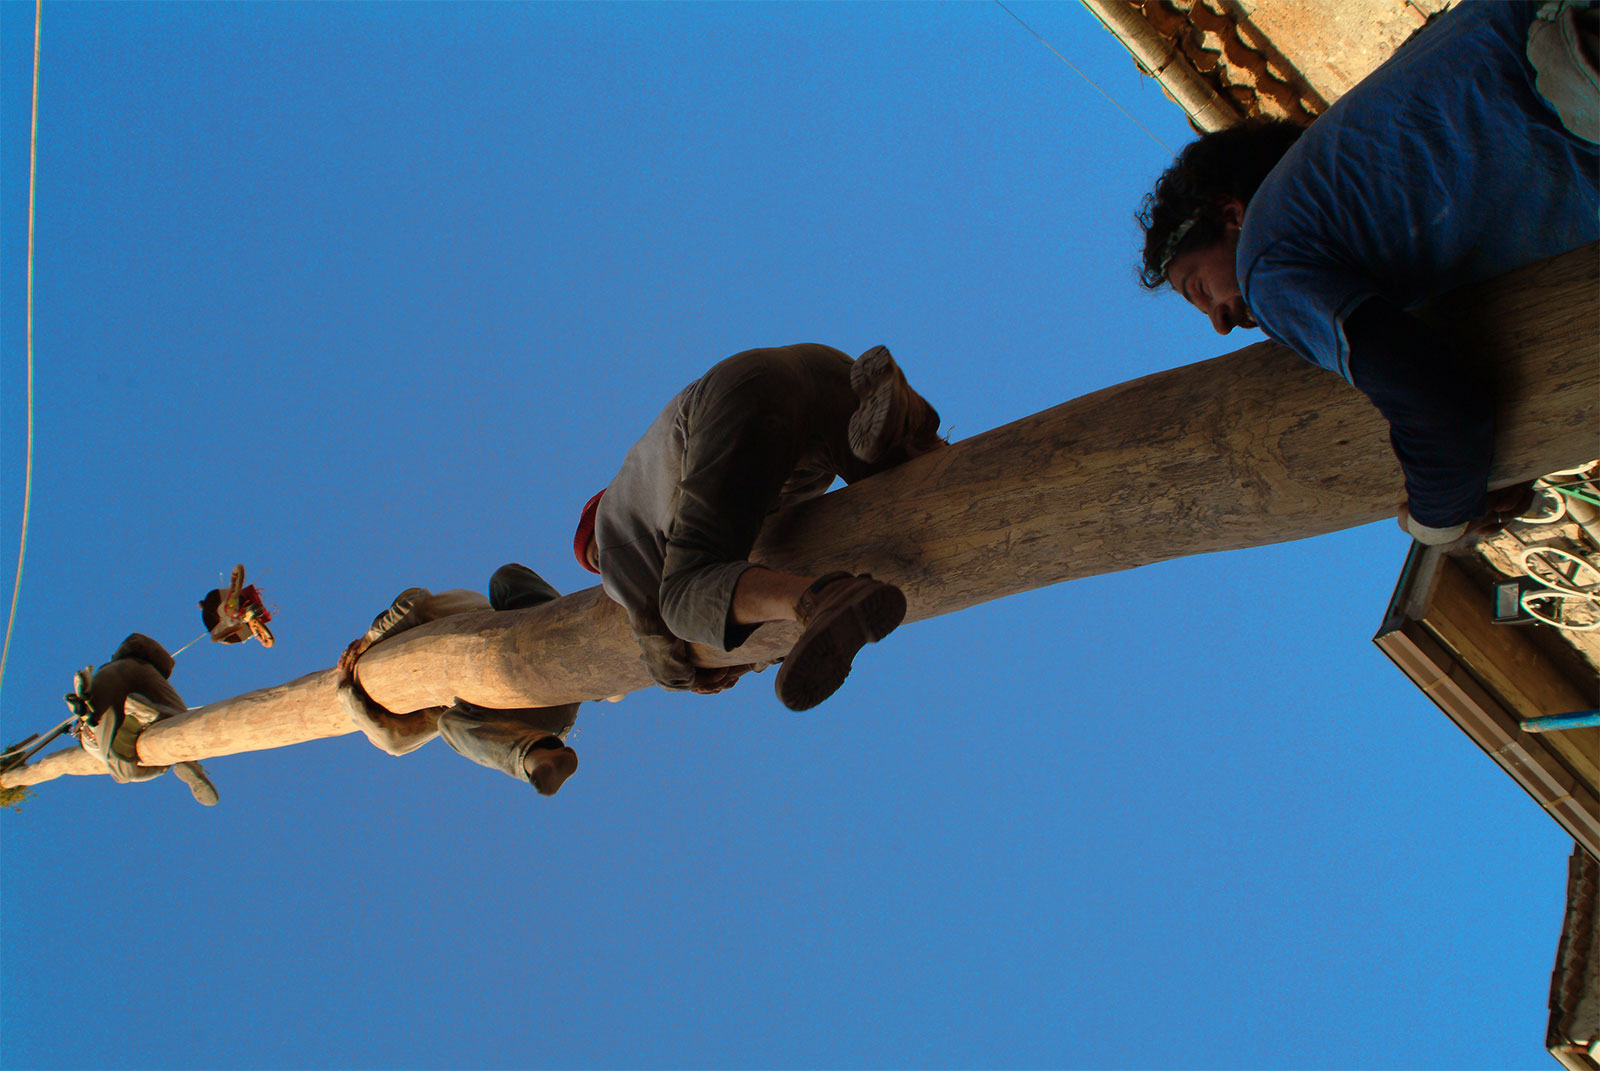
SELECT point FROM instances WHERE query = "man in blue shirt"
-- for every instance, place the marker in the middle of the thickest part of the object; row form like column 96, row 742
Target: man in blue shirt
column 1471, row 152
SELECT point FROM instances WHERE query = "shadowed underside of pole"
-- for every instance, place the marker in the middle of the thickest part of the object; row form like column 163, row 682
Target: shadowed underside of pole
column 1250, row 448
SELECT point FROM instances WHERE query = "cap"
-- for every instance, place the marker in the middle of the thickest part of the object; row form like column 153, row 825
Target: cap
column 585, row 532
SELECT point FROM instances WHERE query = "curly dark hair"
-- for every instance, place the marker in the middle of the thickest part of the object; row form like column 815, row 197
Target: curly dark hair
column 1223, row 164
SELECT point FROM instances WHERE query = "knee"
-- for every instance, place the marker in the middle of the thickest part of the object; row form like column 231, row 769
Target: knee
column 516, row 587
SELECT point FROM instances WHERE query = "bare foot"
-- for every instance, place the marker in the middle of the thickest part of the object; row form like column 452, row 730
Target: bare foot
column 549, row 767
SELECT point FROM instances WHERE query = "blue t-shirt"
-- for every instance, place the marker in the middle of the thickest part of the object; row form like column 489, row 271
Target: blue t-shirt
column 1444, row 167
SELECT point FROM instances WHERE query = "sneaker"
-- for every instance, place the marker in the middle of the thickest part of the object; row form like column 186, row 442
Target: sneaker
column 889, row 413
column 841, row 614
column 190, row 773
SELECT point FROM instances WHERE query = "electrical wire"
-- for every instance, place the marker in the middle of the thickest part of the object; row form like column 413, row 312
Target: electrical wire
column 27, row 483
column 190, row 644
column 1085, row 77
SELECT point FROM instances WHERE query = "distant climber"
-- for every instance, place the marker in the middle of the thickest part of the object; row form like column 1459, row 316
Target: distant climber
column 672, row 533
column 527, row 743
column 1471, row 152
column 235, row 613
column 123, row 698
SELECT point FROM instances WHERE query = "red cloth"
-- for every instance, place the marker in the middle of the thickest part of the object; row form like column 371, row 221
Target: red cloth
column 585, row 532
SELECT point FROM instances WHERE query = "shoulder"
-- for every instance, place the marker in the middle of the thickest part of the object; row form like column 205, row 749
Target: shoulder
column 1301, row 300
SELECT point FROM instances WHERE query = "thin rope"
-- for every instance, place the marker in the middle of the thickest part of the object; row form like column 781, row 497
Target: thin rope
column 1085, row 77
column 27, row 483
column 191, row 643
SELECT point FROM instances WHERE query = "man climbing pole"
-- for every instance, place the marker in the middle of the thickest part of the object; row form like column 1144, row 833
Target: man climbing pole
column 111, row 724
column 671, row 535
column 1471, row 152
column 528, row 743
column 236, row 613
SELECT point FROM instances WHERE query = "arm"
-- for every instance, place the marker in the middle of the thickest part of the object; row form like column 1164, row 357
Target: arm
column 1440, row 413
column 400, row 616
column 412, row 607
column 671, row 663
column 664, row 655
column 632, row 579
column 396, row 734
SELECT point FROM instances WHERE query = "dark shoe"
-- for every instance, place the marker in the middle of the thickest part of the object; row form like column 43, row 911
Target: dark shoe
column 841, row 614
column 190, row 773
column 549, row 763
column 889, row 414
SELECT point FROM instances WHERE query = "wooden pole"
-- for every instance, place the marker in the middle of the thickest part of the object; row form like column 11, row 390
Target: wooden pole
column 1250, row 448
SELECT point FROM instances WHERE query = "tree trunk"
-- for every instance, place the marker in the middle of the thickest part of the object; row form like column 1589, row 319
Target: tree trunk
column 1250, row 448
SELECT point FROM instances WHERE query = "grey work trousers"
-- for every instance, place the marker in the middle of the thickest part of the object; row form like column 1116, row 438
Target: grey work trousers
column 763, row 429
column 501, row 739
column 122, row 757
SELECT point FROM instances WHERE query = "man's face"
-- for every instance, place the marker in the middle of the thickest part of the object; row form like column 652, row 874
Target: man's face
column 1208, row 280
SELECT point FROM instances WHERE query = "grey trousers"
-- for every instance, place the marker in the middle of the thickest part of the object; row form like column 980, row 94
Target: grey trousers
column 763, row 429
column 501, row 739
column 498, row 739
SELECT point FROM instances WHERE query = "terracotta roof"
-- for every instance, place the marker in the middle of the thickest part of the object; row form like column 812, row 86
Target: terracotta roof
column 1238, row 61
column 1284, row 59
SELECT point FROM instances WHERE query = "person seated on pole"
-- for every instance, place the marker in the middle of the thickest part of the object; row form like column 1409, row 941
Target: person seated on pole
column 118, row 701
column 527, row 743
column 671, row 535
column 1470, row 152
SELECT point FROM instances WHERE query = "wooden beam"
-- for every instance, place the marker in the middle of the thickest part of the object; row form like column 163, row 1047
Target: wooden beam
column 1250, row 448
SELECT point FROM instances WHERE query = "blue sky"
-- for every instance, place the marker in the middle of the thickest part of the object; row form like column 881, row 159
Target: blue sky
column 367, row 296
